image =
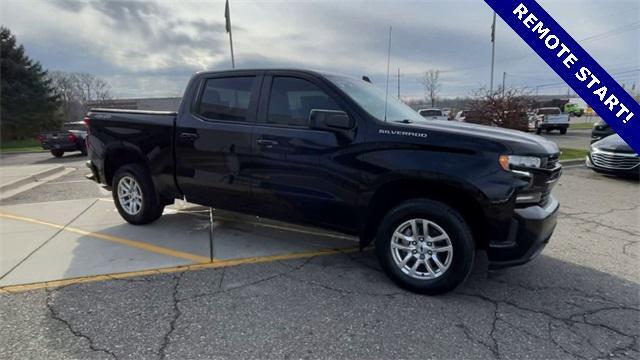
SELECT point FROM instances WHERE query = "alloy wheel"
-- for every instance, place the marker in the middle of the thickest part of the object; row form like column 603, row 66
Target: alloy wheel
column 421, row 249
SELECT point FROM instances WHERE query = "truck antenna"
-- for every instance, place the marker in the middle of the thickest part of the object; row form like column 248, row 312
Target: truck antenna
column 386, row 94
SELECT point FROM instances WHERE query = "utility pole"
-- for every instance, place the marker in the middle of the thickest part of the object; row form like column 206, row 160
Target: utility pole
column 504, row 80
column 493, row 49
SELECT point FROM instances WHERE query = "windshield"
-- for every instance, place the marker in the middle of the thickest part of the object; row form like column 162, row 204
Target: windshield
column 371, row 99
column 549, row 111
column 431, row 113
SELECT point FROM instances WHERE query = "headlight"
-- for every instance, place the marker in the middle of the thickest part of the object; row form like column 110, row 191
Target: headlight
column 507, row 162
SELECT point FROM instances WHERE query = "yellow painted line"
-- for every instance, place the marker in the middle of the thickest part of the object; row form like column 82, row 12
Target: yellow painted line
column 115, row 239
column 169, row 270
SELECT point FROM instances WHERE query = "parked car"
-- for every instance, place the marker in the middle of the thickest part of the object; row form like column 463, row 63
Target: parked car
column 551, row 118
column 600, row 130
column 433, row 114
column 573, row 109
column 612, row 155
column 70, row 138
column 326, row 150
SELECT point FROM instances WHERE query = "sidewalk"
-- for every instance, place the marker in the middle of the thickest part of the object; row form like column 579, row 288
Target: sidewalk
column 18, row 178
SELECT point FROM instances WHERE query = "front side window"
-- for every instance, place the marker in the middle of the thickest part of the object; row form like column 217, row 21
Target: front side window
column 292, row 99
column 374, row 101
column 226, row 98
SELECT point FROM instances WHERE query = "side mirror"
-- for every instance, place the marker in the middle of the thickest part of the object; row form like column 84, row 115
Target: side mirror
column 330, row 120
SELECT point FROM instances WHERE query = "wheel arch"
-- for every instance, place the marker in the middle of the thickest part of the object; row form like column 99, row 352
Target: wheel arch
column 464, row 198
column 118, row 156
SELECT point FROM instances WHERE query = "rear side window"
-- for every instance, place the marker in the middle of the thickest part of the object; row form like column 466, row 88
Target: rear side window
column 292, row 99
column 226, row 98
column 431, row 113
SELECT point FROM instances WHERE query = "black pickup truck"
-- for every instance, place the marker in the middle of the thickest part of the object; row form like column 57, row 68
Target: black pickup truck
column 331, row 151
column 69, row 138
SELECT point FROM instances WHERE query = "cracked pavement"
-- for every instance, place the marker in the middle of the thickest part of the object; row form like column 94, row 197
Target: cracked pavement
column 579, row 300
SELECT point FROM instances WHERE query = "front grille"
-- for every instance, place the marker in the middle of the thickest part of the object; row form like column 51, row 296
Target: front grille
column 614, row 160
column 552, row 161
column 544, row 198
column 547, row 179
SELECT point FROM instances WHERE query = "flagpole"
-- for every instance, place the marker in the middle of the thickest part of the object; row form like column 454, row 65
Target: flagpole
column 227, row 16
column 233, row 61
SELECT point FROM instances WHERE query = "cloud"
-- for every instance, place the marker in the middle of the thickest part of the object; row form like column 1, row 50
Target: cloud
column 151, row 47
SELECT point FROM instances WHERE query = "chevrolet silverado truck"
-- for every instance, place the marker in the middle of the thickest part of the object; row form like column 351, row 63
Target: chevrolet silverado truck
column 330, row 151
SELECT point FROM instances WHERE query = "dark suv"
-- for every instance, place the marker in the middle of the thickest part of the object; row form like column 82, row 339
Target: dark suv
column 600, row 131
column 332, row 151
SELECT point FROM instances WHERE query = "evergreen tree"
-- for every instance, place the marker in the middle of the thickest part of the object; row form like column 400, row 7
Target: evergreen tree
column 28, row 103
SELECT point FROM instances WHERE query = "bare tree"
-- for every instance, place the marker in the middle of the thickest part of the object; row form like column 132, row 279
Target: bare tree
column 431, row 82
column 76, row 90
column 509, row 108
column 64, row 87
column 91, row 88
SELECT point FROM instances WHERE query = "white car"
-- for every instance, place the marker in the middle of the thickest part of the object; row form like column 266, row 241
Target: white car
column 433, row 114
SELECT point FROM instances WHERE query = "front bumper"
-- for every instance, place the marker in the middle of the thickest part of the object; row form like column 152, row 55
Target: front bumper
column 633, row 172
column 59, row 146
column 530, row 230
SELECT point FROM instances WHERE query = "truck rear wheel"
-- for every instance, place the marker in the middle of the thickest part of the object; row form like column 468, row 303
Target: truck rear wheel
column 425, row 246
column 135, row 196
column 57, row 153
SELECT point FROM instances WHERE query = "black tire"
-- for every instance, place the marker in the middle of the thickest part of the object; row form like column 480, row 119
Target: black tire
column 151, row 208
column 57, row 153
column 451, row 222
column 538, row 131
column 563, row 131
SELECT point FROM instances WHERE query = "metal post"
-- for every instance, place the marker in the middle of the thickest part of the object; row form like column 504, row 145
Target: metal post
column 211, row 248
column 398, row 83
column 493, row 49
column 386, row 94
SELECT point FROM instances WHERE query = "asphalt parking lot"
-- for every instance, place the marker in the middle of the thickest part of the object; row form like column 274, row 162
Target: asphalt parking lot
column 299, row 293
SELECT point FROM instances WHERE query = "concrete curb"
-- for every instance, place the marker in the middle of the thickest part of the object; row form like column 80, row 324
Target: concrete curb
column 4, row 153
column 31, row 178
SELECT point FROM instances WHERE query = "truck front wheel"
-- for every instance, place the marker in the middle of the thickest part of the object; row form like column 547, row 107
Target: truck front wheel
column 425, row 246
column 135, row 196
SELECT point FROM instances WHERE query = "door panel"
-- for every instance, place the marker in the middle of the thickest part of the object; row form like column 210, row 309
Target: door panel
column 213, row 143
column 301, row 175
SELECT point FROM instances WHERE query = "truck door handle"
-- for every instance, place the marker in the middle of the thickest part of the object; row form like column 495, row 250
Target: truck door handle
column 266, row 143
column 188, row 135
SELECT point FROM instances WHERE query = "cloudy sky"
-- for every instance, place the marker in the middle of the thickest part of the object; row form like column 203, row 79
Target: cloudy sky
column 150, row 48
